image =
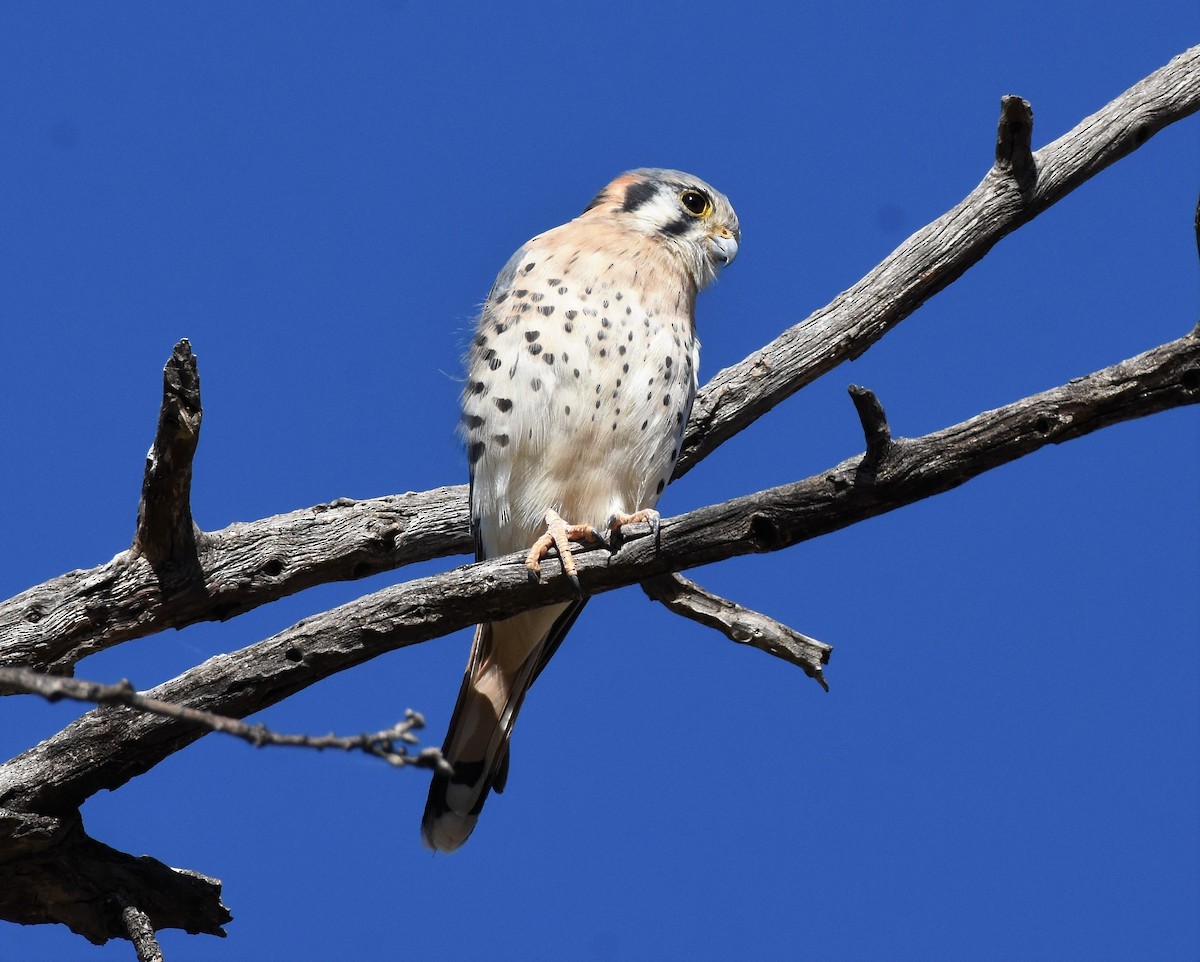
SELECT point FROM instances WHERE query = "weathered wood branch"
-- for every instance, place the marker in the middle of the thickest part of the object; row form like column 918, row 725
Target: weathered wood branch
column 740, row 624
column 937, row 255
column 166, row 535
column 52, row 871
column 106, row 747
column 53, row 625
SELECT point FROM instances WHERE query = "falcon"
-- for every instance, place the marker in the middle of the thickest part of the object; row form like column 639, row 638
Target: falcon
column 580, row 380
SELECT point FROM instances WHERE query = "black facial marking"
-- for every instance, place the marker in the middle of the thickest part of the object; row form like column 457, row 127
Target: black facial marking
column 638, row 195
column 677, row 227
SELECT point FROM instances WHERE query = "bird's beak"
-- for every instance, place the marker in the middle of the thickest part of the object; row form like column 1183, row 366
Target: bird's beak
column 724, row 247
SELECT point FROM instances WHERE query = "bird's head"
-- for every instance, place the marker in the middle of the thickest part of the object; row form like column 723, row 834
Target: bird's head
column 691, row 219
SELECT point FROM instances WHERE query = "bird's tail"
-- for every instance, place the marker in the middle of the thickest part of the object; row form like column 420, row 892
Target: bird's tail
column 506, row 657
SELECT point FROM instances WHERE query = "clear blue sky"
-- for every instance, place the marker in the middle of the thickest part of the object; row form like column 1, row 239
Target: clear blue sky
column 320, row 195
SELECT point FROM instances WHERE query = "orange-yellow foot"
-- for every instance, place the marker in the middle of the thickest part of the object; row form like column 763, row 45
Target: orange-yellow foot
column 619, row 519
column 558, row 535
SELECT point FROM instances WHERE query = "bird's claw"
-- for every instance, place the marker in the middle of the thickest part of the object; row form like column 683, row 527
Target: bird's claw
column 558, row 536
column 619, row 519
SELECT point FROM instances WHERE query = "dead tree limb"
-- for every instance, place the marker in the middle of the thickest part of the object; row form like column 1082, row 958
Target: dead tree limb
column 51, row 871
column 108, row 746
column 53, row 625
column 740, row 624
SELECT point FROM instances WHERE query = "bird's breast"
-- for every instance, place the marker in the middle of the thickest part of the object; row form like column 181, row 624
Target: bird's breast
column 578, row 392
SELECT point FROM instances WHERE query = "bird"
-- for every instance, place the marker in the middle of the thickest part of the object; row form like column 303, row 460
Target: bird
column 580, row 380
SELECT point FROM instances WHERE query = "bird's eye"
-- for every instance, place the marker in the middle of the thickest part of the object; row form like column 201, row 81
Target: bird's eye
column 696, row 203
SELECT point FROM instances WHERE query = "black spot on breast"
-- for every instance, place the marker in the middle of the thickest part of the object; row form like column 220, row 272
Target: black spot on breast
column 472, row 421
column 645, row 424
column 605, row 322
column 638, row 194
column 523, row 292
column 535, row 349
column 532, row 336
column 568, row 327
column 547, row 309
column 547, row 357
column 571, row 315
column 576, row 372
column 480, row 340
column 503, row 403
column 562, row 290
column 670, row 360
column 475, row 451
column 494, row 363
column 667, row 400
column 530, row 266
column 477, row 387
column 554, row 282
column 501, row 439
column 661, row 484
column 536, row 297
column 621, row 349
column 567, row 409
column 536, row 384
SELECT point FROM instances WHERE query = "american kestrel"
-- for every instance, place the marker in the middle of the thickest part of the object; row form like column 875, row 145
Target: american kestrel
column 580, row 380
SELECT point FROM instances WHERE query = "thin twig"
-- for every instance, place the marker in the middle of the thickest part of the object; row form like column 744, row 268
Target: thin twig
column 389, row 744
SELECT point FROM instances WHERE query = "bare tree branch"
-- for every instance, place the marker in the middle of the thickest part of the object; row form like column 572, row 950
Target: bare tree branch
column 107, row 747
column 50, row 870
column 382, row 744
column 53, row 625
column 165, row 533
column 141, row 933
column 53, row 872
column 740, row 624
